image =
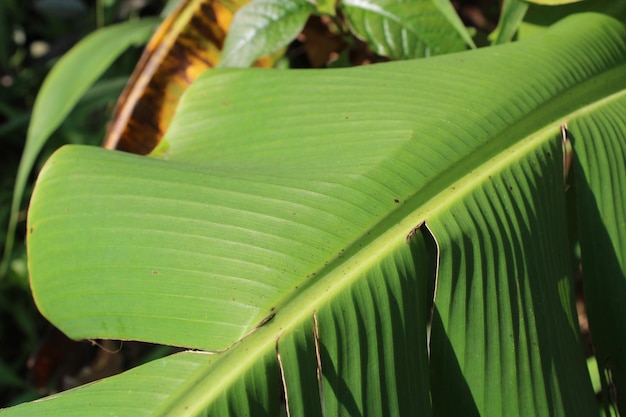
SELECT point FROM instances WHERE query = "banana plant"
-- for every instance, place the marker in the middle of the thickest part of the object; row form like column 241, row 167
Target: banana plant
column 374, row 241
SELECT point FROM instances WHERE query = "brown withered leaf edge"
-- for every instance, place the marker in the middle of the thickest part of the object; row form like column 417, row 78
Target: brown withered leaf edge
column 188, row 42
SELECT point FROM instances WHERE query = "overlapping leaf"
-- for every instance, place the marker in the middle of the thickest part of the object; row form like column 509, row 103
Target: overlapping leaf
column 188, row 42
column 522, row 314
column 69, row 79
column 142, row 391
column 601, row 155
column 511, row 15
column 263, row 27
column 541, row 15
column 289, row 228
column 406, row 29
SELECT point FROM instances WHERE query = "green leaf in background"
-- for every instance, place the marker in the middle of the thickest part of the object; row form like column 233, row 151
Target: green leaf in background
column 290, row 232
column 67, row 82
column 262, row 27
column 326, row 7
column 511, row 16
column 449, row 12
column 554, row 2
column 540, row 16
column 406, row 29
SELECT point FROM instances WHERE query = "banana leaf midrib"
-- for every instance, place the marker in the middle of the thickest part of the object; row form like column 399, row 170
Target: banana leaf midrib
column 343, row 270
column 393, row 229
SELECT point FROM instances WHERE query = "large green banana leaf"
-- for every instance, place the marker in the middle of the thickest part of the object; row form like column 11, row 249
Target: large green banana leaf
column 295, row 222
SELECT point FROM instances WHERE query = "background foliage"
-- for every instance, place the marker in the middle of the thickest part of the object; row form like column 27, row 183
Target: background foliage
column 32, row 39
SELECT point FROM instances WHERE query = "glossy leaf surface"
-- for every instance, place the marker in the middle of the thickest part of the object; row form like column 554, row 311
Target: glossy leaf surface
column 263, row 27
column 405, row 29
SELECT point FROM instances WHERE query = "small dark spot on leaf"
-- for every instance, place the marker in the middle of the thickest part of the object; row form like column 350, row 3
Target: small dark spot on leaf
column 346, row 117
column 155, row 272
column 395, row 200
column 265, row 320
column 32, row 229
column 489, row 177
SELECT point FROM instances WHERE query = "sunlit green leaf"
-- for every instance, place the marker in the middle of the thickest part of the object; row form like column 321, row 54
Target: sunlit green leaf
column 262, row 27
column 67, row 82
column 404, row 29
column 291, row 233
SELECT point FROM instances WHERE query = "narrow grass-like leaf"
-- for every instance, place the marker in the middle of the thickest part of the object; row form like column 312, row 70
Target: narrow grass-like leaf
column 511, row 16
column 63, row 87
